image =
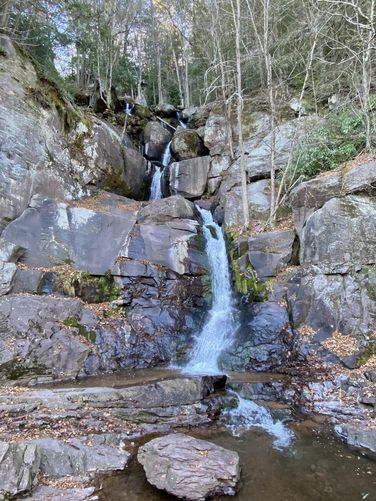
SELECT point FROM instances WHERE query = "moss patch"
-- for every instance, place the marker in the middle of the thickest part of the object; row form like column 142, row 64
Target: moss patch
column 74, row 323
column 92, row 289
column 18, row 368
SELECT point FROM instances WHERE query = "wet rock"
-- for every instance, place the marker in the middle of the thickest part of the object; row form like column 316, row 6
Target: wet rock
column 136, row 168
column 187, row 144
column 155, row 140
column 311, row 195
column 140, row 409
column 165, row 110
column 358, row 435
column 264, row 341
column 341, row 235
column 189, row 468
column 269, row 253
column 189, row 177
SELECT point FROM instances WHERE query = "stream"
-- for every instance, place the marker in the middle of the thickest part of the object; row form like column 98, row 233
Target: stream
column 318, row 467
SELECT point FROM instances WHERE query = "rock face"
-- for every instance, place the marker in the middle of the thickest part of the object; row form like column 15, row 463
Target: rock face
column 345, row 242
column 155, row 140
column 187, row 144
column 264, row 342
column 269, row 253
column 189, row 177
column 311, row 195
column 71, row 150
column 189, row 468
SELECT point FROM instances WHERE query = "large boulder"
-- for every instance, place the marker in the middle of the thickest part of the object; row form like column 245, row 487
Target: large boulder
column 63, row 233
column 187, row 144
column 189, row 468
column 258, row 198
column 7, row 273
column 269, row 253
column 189, row 177
column 166, row 209
column 156, row 138
column 215, row 139
column 311, row 195
column 341, row 236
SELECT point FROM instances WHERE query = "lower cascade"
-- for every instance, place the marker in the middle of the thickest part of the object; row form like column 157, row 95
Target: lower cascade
column 218, row 330
column 248, row 414
column 156, row 183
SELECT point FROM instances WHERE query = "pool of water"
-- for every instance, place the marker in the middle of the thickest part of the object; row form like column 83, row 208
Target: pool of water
column 317, row 467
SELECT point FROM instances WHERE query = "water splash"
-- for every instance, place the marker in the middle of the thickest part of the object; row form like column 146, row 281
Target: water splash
column 250, row 415
column 221, row 324
column 129, row 109
column 156, row 184
column 166, row 157
column 179, row 118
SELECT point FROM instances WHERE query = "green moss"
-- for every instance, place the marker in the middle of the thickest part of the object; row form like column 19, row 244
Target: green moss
column 74, row 323
column 17, row 369
column 93, row 289
column 369, row 352
column 246, row 282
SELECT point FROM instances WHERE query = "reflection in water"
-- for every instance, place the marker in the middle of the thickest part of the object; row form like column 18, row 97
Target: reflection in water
column 320, row 469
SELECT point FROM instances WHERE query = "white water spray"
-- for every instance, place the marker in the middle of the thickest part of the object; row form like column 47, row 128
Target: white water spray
column 129, row 109
column 179, row 119
column 218, row 332
column 250, row 415
column 156, row 183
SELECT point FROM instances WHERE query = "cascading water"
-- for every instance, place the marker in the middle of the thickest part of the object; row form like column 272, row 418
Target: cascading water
column 129, row 108
column 156, row 183
column 249, row 415
column 218, row 331
column 179, row 119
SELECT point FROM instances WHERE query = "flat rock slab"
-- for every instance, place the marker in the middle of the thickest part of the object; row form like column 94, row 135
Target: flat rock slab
column 189, row 468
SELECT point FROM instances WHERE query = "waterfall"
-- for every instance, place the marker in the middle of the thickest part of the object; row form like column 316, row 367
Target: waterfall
column 156, row 188
column 129, row 109
column 166, row 158
column 179, row 119
column 220, row 326
column 249, row 415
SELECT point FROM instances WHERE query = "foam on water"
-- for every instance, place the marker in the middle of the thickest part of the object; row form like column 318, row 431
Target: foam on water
column 218, row 331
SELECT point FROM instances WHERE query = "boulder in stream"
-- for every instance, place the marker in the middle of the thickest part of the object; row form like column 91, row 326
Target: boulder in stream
column 190, row 468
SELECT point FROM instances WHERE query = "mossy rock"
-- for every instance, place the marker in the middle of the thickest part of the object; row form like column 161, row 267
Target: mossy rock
column 74, row 323
column 90, row 288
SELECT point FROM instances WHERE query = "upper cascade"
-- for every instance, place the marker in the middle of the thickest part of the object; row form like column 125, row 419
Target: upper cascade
column 218, row 331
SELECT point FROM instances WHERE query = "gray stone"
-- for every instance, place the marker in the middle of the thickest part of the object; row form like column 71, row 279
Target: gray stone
column 269, row 253
column 189, row 177
column 311, row 195
column 187, row 144
column 335, row 303
column 155, row 140
column 19, row 467
column 166, row 209
column 27, row 281
column 358, row 435
column 49, row 493
column 189, row 468
column 68, row 234
column 215, row 138
column 341, row 235
column 135, row 173
column 259, row 203
column 7, row 273
column 263, row 342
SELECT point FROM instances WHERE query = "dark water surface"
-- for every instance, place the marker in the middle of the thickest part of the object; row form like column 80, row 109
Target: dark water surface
column 318, row 467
